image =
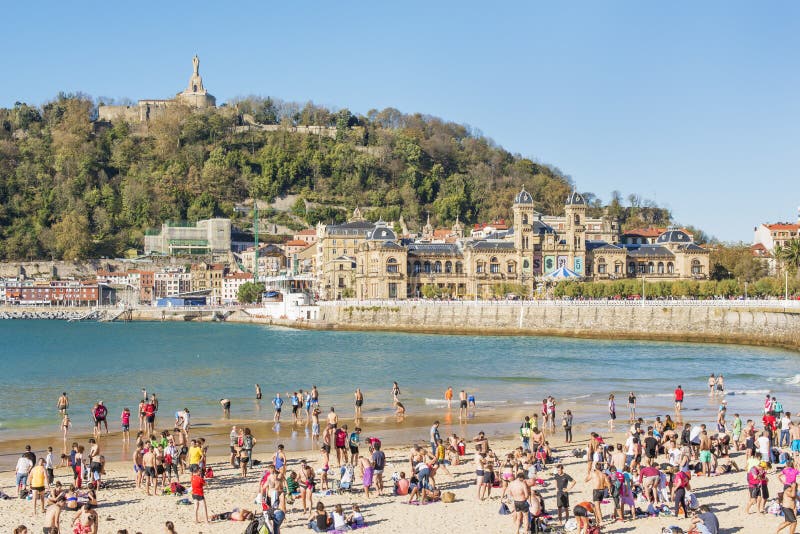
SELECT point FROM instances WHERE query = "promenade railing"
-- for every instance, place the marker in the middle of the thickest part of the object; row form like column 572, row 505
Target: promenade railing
column 750, row 303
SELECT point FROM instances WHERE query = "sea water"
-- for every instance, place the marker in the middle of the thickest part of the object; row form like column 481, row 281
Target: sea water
column 193, row 365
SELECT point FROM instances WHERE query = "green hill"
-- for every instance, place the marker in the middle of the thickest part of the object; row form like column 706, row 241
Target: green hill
column 71, row 188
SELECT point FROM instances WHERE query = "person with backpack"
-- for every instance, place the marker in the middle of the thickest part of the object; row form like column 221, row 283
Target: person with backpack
column 616, row 481
column 525, row 434
column 246, row 451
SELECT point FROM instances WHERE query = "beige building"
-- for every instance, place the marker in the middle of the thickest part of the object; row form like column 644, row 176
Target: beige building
column 195, row 96
column 336, row 247
column 673, row 255
column 207, row 278
column 369, row 261
column 271, row 260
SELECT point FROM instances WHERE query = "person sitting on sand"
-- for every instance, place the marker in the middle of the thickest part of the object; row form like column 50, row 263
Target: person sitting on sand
column 339, row 521
column 355, row 519
column 235, row 515
column 321, row 522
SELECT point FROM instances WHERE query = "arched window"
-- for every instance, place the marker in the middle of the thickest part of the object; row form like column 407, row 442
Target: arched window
column 459, row 268
column 524, row 219
column 437, row 267
column 494, row 265
column 448, row 267
column 632, row 267
column 577, row 219
column 426, row 266
column 417, row 267
column 391, row 266
column 661, row 267
column 511, row 267
column 601, row 266
column 697, row 268
column 651, row 268
column 670, row 268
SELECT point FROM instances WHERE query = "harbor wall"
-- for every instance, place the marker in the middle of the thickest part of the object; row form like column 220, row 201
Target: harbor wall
column 770, row 326
column 697, row 323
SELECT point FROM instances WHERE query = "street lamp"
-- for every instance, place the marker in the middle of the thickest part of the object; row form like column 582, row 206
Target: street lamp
column 786, row 286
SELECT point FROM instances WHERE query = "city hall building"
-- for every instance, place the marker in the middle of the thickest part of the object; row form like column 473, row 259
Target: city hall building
column 369, row 260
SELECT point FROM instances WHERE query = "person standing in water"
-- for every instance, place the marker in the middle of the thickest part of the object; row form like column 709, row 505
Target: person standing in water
column 612, row 411
column 632, row 406
column 359, row 402
column 448, row 396
column 395, row 392
column 63, row 403
column 226, row 406
column 258, row 392
column 678, row 400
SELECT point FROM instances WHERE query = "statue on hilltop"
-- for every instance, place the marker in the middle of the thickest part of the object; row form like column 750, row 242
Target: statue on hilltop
column 196, row 81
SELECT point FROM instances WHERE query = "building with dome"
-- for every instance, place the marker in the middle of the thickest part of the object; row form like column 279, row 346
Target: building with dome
column 369, row 260
column 673, row 255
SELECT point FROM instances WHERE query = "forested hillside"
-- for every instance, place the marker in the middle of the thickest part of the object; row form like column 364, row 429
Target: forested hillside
column 71, row 188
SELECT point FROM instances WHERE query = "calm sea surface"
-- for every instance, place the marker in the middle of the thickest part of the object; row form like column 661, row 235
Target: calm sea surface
column 194, row 365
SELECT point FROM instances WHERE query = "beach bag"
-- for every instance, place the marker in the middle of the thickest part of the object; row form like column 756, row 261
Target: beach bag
column 504, row 509
column 774, row 508
column 593, row 530
column 672, row 530
column 449, row 496
column 691, row 498
column 209, row 473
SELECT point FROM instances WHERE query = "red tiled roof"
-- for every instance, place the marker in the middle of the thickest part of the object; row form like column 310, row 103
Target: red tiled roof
column 783, row 226
column 310, row 231
column 296, row 243
column 239, row 276
column 442, row 232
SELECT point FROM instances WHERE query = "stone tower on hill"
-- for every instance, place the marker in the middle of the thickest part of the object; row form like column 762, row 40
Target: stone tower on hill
column 195, row 96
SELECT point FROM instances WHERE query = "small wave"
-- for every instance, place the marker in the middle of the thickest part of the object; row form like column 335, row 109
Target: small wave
column 577, row 397
column 520, row 379
column 783, row 380
column 749, row 392
column 442, row 402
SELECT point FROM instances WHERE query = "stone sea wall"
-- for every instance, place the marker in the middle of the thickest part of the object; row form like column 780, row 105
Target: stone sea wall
column 774, row 326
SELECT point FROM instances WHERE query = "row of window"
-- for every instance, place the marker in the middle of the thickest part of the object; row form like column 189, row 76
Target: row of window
column 647, row 268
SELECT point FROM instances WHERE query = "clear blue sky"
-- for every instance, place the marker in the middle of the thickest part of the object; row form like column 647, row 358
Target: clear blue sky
column 693, row 104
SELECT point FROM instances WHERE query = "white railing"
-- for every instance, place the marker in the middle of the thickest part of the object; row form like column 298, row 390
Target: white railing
column 750, row 303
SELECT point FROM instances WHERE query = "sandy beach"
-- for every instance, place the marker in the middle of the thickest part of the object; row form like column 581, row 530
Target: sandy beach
column 123, row 506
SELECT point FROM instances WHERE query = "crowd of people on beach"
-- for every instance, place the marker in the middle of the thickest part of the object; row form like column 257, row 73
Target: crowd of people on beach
column 647, row 472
